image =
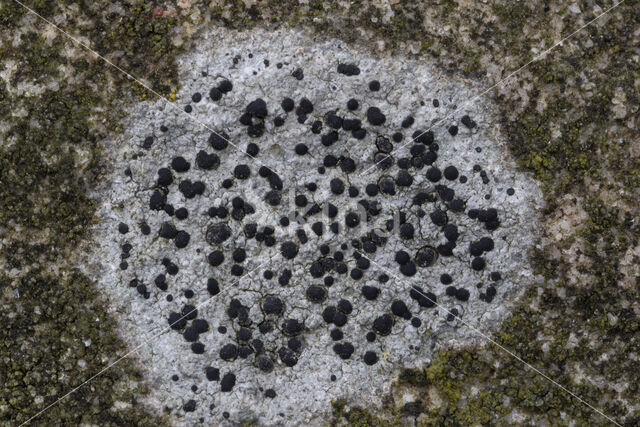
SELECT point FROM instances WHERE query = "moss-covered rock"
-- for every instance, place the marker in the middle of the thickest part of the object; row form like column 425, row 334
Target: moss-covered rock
column 59, row 336
column 570, row 118
column 56, row 103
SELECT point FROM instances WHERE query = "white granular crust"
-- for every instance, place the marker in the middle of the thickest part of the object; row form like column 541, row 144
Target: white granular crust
column 305, row 391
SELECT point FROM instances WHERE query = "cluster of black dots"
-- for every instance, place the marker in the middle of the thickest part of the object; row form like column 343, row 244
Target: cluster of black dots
column 264, row 336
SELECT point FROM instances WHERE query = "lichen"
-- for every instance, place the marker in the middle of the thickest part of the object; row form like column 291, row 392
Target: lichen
column 556, row 115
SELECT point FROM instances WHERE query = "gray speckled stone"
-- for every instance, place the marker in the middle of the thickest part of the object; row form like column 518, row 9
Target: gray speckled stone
column 305, row 391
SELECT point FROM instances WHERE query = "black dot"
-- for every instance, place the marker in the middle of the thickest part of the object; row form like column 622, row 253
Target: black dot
column 213, row 287
column 197, row 348
column 336, row 334
column 298, row 74
column 213, row 374
column 242, row 171
column 371, row 190
column 491, row 291
column 148, row 142
column 468, row 122
column 451, row 232
column 345, row 306
column 190, row 406
column 337, row 186
column 216, row 258
column 316, row 293
column 219, row 141
column 407, row 231
column 400, row 309
column 374, row 85
column 225, row 86
column 383, row 324
column 228, row 382
column 287, row 104
column 370, row 358
column 375, row 116
column 451, row 173
column 181, row 213
column 462, row 294
column 408, row 122
column 370, row 292
column 252, row 149
column 181, row 239
column 438, row 217
column 408, row 269
column 237, row 270
column 344, row 350
column 289, row 250
column 215, row 94
column 179, row 164
column 352, row 219
column 356, row 274
column 434, row 174
column 478, row 263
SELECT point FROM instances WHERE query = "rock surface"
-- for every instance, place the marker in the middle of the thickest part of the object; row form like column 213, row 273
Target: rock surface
column 568, row 118
column 159, row 152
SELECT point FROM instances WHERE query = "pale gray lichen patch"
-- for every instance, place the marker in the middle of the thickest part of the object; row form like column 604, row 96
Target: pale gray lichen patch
column 304, row 391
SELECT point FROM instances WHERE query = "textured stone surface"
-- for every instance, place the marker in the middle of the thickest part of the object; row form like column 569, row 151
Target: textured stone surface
column 580, row 326
column 407, row 88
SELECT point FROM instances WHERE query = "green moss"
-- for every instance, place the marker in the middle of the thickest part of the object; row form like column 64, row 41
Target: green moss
column 359, row 417
column 53, row 332
column 514, row 15
column 49, row 157
column 43, row 187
